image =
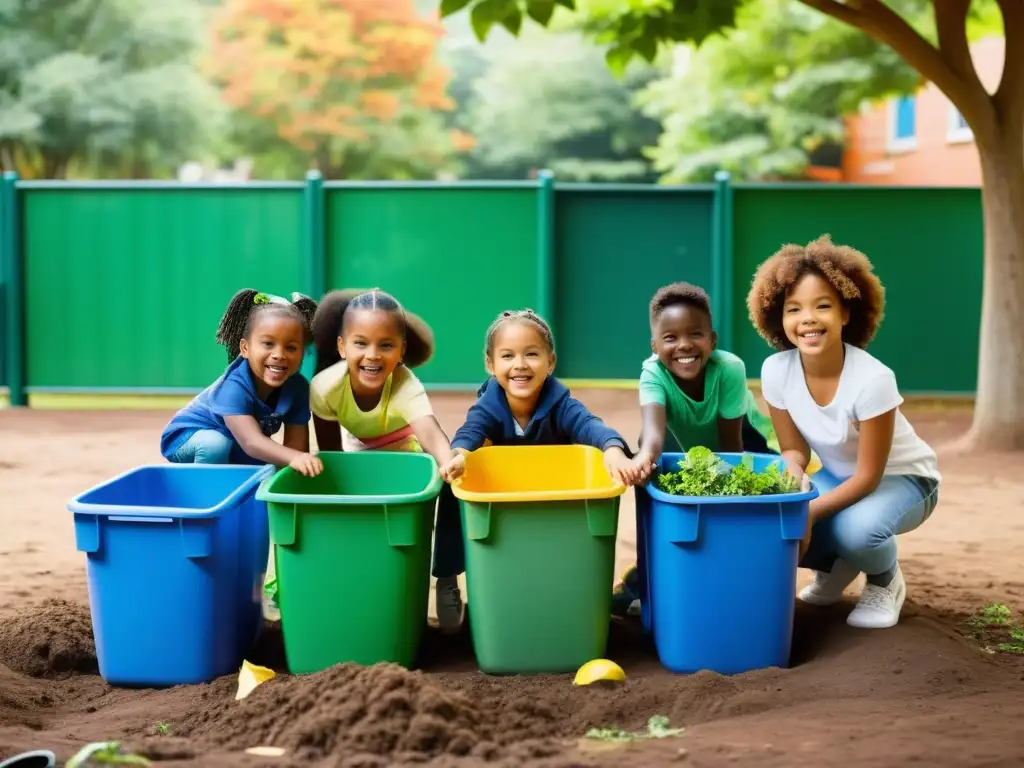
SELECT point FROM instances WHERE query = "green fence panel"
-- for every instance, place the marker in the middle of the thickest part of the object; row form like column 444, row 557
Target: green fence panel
column 615, row 247
column 455, row 255
column 926, row 245
column 5, row 287
column 126, row 284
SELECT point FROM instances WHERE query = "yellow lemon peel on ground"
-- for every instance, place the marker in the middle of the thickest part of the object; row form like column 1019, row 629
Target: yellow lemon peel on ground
column 249, row 677
column 599, row 669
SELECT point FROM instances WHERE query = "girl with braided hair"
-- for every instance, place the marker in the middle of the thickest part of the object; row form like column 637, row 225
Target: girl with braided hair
column 233, row 420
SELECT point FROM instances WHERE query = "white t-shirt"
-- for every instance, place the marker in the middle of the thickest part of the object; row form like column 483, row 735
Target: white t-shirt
column 867, row 388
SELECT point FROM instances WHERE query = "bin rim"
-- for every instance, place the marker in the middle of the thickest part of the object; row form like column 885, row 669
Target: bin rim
column 617, row 488
column 768, row 498
column 266, row 493
column 258, row 472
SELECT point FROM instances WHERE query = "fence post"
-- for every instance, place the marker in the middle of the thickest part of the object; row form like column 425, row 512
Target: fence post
column 11, row 256
column 546, row 247
column 722, row 259
column 314, row 235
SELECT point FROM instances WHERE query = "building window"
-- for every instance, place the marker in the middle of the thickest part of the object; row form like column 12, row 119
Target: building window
column 902, row 124
column 957, row 129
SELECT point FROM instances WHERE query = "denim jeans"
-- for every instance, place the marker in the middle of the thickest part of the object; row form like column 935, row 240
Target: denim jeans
column 205, row 446
column 864, row 534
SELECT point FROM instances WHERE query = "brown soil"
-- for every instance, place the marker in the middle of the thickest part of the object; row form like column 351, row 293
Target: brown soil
column 930, row 691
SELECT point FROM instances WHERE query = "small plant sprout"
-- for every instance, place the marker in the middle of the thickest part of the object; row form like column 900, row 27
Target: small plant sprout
column 104, row 753
column 657, row 728
column 162, row 728
column 995, row 628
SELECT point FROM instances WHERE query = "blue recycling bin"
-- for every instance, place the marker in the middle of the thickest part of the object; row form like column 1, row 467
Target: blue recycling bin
column 719, row 573
column 176, row 555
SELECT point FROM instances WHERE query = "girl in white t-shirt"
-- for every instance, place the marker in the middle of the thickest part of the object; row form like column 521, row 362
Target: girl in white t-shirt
column 821, row 306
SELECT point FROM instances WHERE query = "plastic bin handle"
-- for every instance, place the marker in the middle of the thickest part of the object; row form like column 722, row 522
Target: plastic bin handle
column 87, row 533
column 478, row 520
column 683, row 525
column 793, row 520
column 402, row 521
column 283, row 523
column 196, row 538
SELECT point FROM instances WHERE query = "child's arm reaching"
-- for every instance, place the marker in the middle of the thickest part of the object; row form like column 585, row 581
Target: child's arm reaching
column 587, row 429
column 652, row 438
column 435, row 442
column 253, row 442
column 479, row 427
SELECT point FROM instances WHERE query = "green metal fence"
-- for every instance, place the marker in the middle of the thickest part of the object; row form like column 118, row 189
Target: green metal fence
column 118, row 286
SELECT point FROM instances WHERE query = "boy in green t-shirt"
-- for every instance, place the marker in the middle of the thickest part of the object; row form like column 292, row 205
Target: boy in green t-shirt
column 692, row 392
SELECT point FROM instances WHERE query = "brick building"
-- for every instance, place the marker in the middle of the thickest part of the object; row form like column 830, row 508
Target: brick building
column 919, row 140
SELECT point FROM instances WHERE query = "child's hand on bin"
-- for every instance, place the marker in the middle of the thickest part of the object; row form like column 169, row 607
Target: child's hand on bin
column 307, row 464
column 619, row 465
column 454, row 467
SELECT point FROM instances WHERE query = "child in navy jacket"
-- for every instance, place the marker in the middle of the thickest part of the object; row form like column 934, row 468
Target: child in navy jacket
column 523, row 404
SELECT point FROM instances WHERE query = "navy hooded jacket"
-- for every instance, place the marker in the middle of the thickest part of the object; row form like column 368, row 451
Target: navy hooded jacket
column 560, row 419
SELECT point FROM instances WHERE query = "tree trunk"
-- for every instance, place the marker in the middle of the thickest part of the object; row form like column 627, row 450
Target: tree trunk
column 999, row 405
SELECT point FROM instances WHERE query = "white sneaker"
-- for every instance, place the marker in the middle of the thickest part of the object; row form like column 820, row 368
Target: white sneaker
column 450, row 609
column 827, row 588
column 879, row 607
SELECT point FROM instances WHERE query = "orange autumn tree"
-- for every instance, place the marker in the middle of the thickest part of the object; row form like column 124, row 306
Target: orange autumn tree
column 351, row 87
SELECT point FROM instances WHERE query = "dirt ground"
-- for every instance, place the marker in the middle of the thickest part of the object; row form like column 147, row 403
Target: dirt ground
column 930, row 691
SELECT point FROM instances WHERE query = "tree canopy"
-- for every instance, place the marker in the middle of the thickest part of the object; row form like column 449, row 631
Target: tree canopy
column 354, row 88
column 576, row 119
column 111, row 85
column 767, row 99
column 932, row 36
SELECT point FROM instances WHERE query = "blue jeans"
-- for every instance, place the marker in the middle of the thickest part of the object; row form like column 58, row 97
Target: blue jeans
column 864, row 534
column 205, row 446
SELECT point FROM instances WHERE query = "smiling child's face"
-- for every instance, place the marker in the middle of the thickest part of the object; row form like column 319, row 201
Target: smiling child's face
column 683, row 340
column 274, row 350
column 813, row 315
column 520, row 359
column 373, row 344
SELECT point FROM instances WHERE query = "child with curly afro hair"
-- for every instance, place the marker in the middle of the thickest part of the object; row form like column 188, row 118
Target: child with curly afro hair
column 820, row 306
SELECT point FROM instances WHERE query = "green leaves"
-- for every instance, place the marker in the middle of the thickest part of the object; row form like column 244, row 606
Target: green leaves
column 484, row 14
column 702, row 473
column 448, row 7
column 542, row 11
column 487, row 13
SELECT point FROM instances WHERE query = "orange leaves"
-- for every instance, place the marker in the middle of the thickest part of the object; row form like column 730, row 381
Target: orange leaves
column 327, row 70
column 383, row 105
column 462, row 142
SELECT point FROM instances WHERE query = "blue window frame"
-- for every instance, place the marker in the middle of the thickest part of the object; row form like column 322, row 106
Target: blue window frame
column 905, row 122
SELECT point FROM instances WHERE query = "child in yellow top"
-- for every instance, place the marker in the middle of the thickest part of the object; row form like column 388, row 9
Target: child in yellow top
column 365, row 396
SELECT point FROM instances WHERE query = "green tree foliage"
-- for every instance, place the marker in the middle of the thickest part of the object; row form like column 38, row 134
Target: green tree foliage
column 108, row 87
column 550, row 102
column 932, row 36
column 765, row 99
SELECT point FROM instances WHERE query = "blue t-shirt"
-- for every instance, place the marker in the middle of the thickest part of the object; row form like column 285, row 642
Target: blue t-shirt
column 234, row 394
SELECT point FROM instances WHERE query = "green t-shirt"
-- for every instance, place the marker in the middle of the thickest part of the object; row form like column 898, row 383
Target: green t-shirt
column 726, row 396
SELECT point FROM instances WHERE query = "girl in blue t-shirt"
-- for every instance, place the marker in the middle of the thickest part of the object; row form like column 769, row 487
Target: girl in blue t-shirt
column 232, row 421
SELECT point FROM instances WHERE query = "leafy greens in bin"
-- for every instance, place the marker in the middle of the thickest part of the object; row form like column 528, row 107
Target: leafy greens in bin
column 702, row 473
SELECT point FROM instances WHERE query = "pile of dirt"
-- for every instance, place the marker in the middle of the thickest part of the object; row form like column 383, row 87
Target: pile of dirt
column 52, row 640
column 22, row 702
column 922, row 679
column 380, row 715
